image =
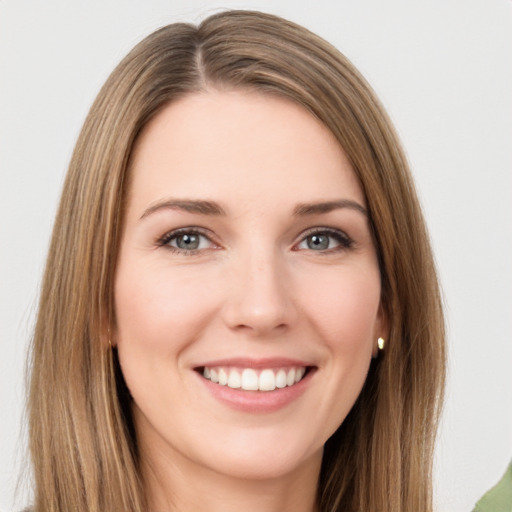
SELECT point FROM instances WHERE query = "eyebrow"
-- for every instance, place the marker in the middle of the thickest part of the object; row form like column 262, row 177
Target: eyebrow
column 327, row 206
column 202, row 207
column 187, row 205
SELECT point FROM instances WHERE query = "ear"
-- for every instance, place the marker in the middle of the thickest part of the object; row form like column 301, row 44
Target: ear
column 108, row 334
column 382, row 329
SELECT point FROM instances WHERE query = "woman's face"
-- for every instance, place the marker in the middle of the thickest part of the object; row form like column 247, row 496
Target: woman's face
column 247, row 290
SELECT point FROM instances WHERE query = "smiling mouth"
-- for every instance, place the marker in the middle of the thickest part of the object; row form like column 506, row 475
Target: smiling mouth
column 251, row 379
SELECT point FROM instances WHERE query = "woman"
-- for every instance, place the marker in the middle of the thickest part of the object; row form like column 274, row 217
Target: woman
column 240, row 307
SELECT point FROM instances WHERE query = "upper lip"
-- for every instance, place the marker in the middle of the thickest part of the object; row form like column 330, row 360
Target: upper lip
column 244, row 362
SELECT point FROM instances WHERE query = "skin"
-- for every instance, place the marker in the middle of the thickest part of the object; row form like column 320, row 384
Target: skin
column 253, row 289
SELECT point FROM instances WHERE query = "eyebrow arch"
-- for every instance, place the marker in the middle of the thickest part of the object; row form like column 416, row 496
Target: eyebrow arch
column 327, row 206
column 187, row 205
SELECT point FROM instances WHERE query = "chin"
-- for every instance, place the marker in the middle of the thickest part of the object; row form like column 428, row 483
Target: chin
column 260, row 460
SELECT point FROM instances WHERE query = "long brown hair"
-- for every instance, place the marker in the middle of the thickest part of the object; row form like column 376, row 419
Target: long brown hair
column 82, row 442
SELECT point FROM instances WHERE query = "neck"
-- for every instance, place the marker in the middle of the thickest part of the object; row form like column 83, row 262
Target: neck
column 177, row 484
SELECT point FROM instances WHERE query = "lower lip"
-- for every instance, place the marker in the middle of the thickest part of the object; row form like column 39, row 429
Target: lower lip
column 258, row 401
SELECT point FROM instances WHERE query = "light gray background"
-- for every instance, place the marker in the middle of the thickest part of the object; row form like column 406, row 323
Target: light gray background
column 443, row 69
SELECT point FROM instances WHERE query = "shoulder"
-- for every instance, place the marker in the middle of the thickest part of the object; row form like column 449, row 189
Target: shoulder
column 499, row 498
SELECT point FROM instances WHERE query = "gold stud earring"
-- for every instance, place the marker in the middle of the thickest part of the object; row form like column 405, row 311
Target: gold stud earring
column 380, row 343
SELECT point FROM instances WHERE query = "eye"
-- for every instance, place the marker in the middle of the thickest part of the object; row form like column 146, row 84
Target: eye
column 325, row 240
column 186, row 241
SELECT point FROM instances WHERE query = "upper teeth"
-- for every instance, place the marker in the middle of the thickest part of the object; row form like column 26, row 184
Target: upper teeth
column 248, row 378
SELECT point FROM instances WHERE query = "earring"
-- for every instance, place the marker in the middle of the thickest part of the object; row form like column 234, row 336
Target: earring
column 380, row 343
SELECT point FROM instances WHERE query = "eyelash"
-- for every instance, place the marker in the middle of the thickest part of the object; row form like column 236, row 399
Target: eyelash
column 168, row 237
column 344, row 241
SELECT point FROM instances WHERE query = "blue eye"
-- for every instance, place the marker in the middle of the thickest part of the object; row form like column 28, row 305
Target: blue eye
column 318, row 242
column 186, row 241
column 325, row 240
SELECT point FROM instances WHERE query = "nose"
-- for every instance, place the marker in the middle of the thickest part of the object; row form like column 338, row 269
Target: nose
column 260, row 298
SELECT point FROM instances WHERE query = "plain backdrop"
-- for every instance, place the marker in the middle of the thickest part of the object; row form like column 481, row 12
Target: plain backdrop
column 443, row 69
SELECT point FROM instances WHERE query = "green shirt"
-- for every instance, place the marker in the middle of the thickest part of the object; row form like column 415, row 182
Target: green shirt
column 499, row 498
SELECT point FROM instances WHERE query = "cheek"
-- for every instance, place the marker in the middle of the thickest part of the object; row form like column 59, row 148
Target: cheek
column 344, row 307
column 161, row 308
column 159, row 313
column 345, row 312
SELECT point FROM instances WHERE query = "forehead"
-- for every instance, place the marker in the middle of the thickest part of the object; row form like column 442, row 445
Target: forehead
column 241, row 146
